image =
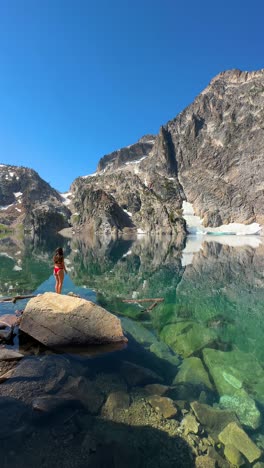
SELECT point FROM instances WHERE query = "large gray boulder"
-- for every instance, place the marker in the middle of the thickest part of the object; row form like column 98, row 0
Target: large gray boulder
column 59, row 320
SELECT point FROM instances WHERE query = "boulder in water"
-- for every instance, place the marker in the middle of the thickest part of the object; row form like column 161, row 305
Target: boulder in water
column 60, row 320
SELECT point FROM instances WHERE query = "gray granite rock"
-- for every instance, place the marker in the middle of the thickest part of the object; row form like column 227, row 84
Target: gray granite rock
column 60, row 320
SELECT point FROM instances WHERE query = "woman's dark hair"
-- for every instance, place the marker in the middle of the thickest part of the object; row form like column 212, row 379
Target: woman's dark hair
column 58, row 257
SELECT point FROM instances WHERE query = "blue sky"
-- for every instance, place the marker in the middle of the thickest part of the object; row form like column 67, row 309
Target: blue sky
column 81, row 78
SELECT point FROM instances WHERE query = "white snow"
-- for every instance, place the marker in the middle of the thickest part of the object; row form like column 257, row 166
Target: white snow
column 139, row 231
column 65, row 196
column 5, row 207
column 233, row 234
column 127, row 212
column 18, row 209
column 135, row 162
column 129, row 252
column 4, row 254
column 195, row 243
column 17, row 268
column 91, row 175
column 194, row 225
column 18, row 194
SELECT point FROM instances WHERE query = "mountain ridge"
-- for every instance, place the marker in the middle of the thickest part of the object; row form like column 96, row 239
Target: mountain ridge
column 210, row 155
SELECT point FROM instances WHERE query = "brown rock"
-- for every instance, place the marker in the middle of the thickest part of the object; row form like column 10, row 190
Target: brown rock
column 9, row 355
column 115, row 401
column 84, row 390
column 214, row 420
column 205, row 462
column 156, row 389
column 164, row 405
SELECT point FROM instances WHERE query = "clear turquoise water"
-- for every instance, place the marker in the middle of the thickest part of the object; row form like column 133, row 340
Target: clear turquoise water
column 214, row 303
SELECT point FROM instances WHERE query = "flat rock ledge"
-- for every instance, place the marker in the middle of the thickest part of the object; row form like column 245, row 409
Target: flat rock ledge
column 58, row 320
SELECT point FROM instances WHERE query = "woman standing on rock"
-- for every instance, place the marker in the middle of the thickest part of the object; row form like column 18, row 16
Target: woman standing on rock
column 59, row 269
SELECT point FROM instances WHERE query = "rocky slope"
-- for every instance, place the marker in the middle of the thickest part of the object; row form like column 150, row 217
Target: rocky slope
column 211, row 155
column 123, row 196
column 216, row 146
column 29, row 203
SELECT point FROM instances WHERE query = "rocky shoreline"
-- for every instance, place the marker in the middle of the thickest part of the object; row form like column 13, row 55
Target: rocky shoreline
column 119, row 413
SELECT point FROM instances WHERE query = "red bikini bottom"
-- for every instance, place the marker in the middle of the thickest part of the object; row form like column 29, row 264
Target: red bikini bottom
column 57, row 269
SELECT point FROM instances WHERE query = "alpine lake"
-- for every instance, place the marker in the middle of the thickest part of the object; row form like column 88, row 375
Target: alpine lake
column 132, row 405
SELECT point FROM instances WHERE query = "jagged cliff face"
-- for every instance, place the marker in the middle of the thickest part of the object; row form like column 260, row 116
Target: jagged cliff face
column 216, row 147
column 133, row 153
column 28, row 202
column 210, row 155
column 122, row 201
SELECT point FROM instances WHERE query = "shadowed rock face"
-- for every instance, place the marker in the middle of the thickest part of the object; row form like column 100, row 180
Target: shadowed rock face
column 217, row 146
column 134, row 152
column 29, row 201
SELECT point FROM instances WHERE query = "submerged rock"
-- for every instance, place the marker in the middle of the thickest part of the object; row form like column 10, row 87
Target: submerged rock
column 192, row 371
column 59, row 320
column 138, row 375
column 156, row 389
column 212, row 419
column 187, row 337
column 85, row 391
column 237, row 375
column 115, row 401
column 164, row 405
column 234, row 456
column 235, row 436
column 14, row 417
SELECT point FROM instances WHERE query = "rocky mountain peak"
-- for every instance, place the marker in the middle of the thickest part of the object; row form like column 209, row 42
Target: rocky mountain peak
column 27, row 200
column 129, row 154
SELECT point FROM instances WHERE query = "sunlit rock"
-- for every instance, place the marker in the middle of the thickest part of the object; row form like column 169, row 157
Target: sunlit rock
column 9, row 355
column 235, row 436
column 59, row 320
column 233, row 455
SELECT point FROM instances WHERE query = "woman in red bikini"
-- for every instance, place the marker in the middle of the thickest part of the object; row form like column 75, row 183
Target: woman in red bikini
column 59, row 269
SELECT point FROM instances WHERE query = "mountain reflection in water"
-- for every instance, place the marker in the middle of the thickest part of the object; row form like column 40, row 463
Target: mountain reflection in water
column 211, row 317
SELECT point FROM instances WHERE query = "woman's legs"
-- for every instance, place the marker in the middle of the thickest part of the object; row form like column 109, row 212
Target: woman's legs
column 59, row 278
column 56, row 282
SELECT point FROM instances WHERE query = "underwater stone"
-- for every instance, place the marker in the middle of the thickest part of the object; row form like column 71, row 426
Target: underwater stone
column 236, row 436
column 192, row 371
column 234, row 456
column 245, row 408
column 214, row 420
column 186, row 338
column 164, row 405
column 236, row 375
